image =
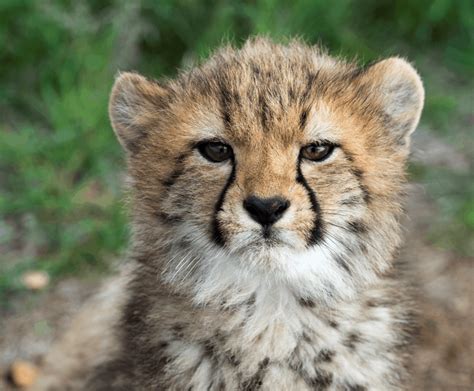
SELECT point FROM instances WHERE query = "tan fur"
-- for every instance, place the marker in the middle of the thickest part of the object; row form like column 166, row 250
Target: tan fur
column 214, row 304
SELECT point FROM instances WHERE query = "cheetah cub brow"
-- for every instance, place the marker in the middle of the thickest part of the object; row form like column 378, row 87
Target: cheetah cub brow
column 265, row 189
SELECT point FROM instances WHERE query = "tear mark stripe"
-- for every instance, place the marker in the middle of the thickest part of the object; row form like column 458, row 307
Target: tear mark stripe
column 317, row 230
column 217, row 234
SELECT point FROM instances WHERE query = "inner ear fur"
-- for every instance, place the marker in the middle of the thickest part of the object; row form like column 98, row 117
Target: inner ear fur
column 134, row 99
column 397, row 89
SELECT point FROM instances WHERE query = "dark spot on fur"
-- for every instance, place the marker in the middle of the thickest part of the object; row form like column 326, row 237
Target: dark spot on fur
column 349, row 156
column 358, row 227
column 321, row 381
column 304, row 302
column 178, row 171
column 221, row 385
column 168, row 218
column 401, row 141
column 255, row 381
column 291, row 94
column 379, row 302
column 171, row 180
column 225, row 100
column 333, row 324
column 220, row 338
column 255, row 69
column 341, row 261
column 306, row 337
column 178, row 330
column 303, row 118
column 233, row 360
column 352, row 340
column 325, row 355
column 366, row 194
column 351, row 201
column 259, row 337
column 209, row 349
column 371, row 303
column 354, row 387
column 264, row 112
column 359, row 174
column 251, row 301
column 310, row 85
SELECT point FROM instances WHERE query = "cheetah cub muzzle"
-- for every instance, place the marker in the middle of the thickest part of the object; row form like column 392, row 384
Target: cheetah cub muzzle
column 265, row 191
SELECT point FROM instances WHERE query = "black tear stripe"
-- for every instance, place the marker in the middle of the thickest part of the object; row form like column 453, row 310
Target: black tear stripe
column 317, row 230
column 225, row 102
column 217, row 235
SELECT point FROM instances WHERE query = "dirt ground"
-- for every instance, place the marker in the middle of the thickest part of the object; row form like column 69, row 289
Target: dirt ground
column 444, row 358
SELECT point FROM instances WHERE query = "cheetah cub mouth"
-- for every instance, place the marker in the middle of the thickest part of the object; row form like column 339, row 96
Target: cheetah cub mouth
column 276, row 166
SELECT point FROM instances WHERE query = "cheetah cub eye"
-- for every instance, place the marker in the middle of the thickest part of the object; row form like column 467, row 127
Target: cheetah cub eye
column 215, row 151
column 318, row 151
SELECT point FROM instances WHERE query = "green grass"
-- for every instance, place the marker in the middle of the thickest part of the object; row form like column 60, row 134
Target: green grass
column 60, row 164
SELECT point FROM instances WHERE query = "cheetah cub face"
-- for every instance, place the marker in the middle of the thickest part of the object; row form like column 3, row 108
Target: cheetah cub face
column 269, row 165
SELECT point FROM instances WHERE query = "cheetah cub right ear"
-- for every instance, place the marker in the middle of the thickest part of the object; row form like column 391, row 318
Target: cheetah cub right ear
column 396, row 88
column 134, row 102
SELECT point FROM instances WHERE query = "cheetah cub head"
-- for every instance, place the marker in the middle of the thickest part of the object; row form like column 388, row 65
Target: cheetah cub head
column 268, row 165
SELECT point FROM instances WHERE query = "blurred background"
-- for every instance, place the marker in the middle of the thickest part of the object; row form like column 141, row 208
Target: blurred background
column 62, row 220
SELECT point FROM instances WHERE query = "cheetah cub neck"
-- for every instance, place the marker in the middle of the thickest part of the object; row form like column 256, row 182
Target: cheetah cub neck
column 265, row 192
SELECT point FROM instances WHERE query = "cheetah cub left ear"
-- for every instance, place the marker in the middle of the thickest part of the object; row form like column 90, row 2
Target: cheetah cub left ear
column 396, row 88
column 134, row 102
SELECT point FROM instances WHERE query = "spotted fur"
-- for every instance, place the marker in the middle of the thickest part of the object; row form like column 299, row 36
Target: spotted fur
column 212, row 302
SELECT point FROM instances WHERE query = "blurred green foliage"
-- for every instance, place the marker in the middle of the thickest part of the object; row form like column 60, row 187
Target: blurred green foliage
column 60, row 165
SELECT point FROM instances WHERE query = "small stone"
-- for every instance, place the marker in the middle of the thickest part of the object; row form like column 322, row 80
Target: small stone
column 23, row 373
column 35, row 280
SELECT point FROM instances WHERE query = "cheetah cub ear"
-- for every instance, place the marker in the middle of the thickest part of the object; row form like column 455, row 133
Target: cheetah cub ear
column 397, row 89
column 133, row 103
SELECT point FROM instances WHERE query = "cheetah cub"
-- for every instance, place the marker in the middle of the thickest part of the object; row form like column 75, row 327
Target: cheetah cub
column 265, row 190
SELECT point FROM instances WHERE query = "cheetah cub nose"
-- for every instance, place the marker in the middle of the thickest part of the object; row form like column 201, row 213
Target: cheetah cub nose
column 266, row 211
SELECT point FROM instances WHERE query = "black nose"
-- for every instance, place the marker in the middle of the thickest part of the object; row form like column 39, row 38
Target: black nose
column 266, row 211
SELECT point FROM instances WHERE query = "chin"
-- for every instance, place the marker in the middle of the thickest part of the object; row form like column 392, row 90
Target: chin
column 281, row 261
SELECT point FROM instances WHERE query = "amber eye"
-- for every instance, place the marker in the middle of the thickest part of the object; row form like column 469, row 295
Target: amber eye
column 317, row 152
column 215, row 151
